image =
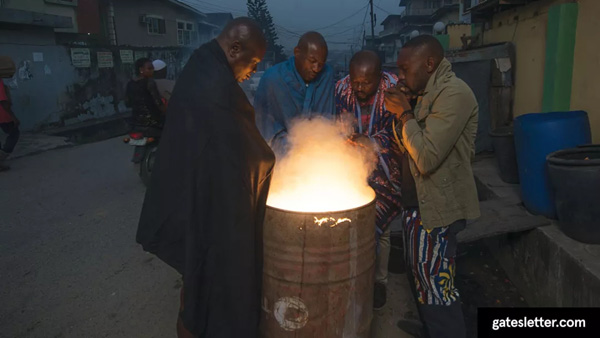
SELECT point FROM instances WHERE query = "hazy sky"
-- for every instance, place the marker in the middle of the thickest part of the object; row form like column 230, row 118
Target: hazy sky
column 340, row 21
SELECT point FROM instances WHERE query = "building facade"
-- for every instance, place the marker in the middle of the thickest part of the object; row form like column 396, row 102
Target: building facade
column 74, row 57
column 164, row 23
column 60, row 8
column 529, row 26
column 418, row 17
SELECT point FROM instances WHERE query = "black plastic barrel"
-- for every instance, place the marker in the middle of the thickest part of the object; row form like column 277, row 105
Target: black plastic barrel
column 575, row 177
column 536, row 136
column 503, row 139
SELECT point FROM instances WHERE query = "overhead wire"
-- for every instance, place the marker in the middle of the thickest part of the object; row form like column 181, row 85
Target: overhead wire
column 352, row 40
column 340, row 32
column 343, row 19
column 385, row 10
column 362, row 33
column 209, row 6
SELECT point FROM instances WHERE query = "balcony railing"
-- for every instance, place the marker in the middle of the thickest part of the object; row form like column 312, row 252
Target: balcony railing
column 491, row 4
column 389, row 31
column 473, row 3
column 420, row 11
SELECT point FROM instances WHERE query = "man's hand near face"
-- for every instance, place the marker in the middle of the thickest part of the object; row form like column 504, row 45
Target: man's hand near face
column 365, row 144
column 397, row 103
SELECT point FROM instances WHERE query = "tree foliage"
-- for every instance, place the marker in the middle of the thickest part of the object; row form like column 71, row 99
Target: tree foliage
column 258, row 11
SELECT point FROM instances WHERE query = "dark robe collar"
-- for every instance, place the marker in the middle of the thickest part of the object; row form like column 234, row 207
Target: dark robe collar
column 217, row 51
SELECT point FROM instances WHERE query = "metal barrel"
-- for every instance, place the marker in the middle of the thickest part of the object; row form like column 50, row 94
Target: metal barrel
column 318, row 273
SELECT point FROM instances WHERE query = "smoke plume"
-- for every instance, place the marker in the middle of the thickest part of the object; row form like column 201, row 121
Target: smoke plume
column 322, row 170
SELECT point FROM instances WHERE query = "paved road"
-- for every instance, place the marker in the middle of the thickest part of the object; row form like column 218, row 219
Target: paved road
column 69, row 264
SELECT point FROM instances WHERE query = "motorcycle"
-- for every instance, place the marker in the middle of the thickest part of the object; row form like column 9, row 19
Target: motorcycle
column 144, row 153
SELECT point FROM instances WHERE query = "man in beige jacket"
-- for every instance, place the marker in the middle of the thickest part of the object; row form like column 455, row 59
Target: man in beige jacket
column 438, row 188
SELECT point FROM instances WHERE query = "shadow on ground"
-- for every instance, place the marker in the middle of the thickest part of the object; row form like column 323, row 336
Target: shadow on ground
column 482, row 283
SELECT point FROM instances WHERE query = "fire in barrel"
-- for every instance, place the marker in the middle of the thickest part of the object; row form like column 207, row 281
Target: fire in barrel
column 319, row 245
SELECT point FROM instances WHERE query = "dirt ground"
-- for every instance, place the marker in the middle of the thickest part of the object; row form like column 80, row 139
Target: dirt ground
column 482, row 283
column 480, row 280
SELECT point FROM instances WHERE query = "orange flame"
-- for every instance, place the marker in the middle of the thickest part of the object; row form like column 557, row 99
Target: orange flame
column 321, row 171
column 320, row 221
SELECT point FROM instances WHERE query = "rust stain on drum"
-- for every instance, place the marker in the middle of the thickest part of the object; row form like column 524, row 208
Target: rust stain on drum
column 318, row 280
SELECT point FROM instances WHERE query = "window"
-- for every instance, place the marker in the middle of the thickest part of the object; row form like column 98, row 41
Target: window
column 156, row 25
column 186, row 33
column 433, row 4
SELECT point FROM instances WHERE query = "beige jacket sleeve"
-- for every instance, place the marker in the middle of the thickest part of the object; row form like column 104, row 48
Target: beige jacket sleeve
column 430, row 143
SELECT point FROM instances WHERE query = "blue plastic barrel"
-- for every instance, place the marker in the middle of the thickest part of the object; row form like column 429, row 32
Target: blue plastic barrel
column 536, row 136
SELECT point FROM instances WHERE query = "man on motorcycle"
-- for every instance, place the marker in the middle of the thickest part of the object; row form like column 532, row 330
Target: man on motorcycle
column 147, row 118
column 143, row 97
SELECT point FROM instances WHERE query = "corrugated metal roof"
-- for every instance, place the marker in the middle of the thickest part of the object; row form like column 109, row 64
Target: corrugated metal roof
column 189, row 6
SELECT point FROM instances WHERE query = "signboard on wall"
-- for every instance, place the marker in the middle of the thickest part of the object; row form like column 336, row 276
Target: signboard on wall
column 105, row 60
column 80, row 57
column 126, row 56
column 140, row 54
column 38, row 57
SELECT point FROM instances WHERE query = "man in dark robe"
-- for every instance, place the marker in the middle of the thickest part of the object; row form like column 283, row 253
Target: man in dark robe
column 204, row 209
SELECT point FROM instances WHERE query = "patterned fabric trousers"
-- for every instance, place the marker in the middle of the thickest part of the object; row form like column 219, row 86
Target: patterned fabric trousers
column 430, row 256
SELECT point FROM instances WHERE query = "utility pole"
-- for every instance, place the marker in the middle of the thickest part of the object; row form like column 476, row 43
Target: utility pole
column 364, row 40
column 372, row 24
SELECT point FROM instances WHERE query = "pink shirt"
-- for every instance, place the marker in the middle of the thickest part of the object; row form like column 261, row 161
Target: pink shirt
column 4, row 115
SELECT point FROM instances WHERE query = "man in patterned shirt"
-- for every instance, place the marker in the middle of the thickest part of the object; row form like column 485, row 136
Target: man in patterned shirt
column 361, row 95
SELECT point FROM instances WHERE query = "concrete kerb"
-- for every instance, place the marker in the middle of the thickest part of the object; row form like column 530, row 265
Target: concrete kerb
column 549, row 268
column 31, row 144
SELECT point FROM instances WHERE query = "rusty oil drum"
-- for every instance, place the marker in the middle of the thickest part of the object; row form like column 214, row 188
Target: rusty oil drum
column 318, row 279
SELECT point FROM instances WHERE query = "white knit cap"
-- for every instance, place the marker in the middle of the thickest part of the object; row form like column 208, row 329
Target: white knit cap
column 158, row 64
